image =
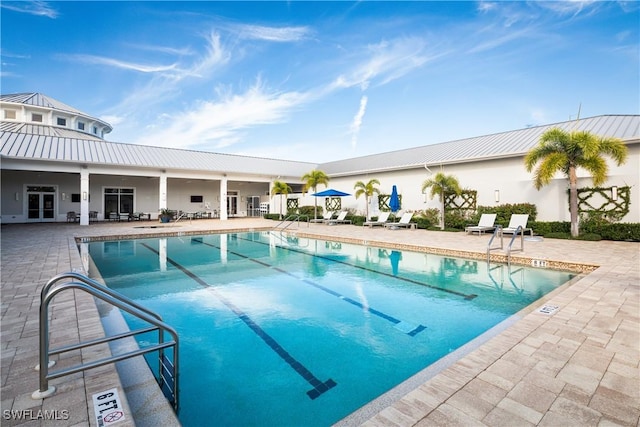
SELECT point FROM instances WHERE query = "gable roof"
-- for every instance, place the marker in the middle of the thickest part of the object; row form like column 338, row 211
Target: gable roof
column 505, row 144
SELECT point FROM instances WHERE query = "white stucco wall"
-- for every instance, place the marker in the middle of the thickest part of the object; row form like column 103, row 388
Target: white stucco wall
column 508, row 176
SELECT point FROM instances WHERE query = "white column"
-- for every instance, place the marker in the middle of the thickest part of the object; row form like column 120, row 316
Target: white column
column 162, row 191
column 84, row 197
column 223, row 198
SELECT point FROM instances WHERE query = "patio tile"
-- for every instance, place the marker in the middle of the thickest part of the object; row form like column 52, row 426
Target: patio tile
column 582, row 364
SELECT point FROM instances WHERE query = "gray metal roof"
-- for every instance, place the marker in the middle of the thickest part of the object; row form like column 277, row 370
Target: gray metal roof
column 44, row 101
column 506, row 144
column 40, row 100
column 98, row 152
column 48, row 143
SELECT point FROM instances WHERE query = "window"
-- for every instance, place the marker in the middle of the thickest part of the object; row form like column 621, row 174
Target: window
column 119, row 200
column 81, row 125
column 35, row 117
column 61, row 121
column 196, row 199
column 75, row 197
column 95, row 130
column 9, row 114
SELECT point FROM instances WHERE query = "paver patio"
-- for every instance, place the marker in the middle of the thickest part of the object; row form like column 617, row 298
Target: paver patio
column 579, row 365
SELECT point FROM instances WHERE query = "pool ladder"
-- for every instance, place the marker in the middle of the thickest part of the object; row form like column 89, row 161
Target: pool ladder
column 167, row 369
column 291, row 219
column 509, row 250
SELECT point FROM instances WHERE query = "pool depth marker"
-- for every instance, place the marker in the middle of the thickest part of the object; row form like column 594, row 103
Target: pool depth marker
column 319, row 387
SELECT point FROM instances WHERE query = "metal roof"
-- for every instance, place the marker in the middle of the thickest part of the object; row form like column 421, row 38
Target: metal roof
column 98, row 152
column 44, row 101
column 506, row 144
column 49, row 143
column 40, row 100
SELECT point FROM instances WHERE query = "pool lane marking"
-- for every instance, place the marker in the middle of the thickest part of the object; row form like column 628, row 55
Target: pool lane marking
column 319, row 386
column 405, row 279
column 412, row 332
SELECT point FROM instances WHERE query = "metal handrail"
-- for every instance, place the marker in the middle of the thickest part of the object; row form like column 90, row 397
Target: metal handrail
column 294, row 218
column 498, row 232
column 52, row 288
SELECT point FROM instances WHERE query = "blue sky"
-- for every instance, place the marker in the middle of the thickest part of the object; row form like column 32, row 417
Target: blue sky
column 322, row 81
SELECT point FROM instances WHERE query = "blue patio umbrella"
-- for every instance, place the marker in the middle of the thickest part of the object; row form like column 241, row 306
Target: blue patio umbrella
column 394, row 200
column 331, row 193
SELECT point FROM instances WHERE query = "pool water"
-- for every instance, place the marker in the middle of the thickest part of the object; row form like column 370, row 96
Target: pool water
column 287, row 331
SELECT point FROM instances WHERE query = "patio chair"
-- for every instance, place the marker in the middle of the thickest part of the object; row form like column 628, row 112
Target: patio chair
column 72, row 216
column 339, row 220
column 405, row 221
column 517, row 220
column 382, row 219
column 485, row 224
column 326, row 217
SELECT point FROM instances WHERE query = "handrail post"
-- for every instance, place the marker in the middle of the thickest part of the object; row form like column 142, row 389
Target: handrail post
column 50, row 290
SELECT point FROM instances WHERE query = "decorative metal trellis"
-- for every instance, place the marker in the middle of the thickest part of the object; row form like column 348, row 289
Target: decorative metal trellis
column 292, row 205
column 333, row 203
column 610, row 201
column 383, row 202
column 465, row 201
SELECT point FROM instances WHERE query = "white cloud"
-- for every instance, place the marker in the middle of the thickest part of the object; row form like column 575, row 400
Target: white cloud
column 386, row 61
column 357, row 122
column 219, row 123
column 116, row 63
column 274, row 34
column 38, row 8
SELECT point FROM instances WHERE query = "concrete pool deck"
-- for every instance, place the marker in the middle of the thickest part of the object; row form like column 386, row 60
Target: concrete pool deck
column 578, row 365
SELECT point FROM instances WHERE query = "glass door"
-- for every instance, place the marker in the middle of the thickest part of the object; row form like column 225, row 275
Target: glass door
column 41, row 204
column 232, row 203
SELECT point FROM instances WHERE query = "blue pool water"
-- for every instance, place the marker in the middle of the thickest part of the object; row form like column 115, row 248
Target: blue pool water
column 289, row 331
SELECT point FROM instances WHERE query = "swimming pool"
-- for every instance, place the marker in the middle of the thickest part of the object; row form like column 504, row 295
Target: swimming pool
column 280, row 330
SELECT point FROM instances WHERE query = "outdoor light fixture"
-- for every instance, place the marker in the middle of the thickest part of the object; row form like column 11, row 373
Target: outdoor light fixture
column 64, row 196
column 614, row 193
column 84, row 195
column 497, row 195
column 17, row 196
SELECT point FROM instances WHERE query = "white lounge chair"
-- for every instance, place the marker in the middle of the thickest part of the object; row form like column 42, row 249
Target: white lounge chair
column 517, row 220
column 382, row 219
column 405, row 221
column 485, row 224
column 339, row 220
column 327, row 216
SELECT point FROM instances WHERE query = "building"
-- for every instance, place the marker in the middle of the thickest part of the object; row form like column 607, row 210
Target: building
column 55, row 160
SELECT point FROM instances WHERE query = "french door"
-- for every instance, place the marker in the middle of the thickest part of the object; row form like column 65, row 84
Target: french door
column 41, row 203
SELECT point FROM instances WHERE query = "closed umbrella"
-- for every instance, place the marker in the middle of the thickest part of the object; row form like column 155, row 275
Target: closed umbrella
column 394, row 201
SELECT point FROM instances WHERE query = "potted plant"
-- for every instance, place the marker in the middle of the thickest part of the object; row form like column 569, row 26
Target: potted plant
column 165, row 215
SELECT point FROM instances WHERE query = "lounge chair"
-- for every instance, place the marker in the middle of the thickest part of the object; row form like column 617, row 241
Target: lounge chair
column 339, row 220
column 485, row 224
column 382, row 219
column 517, row 220
column 405, row 221
column 326, row 217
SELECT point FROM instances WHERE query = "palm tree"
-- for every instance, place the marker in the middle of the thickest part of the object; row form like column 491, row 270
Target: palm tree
column 280, row 187
column 440, row 185
column 562, row 151
column 368, row 190
column 311, row 181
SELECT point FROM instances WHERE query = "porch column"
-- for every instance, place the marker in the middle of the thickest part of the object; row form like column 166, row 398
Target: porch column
column 84, row 196
column 162, row 191
column 223, row 198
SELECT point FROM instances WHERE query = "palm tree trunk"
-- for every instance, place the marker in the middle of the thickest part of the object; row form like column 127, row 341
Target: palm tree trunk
column 441, row 212
column 573, row 201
